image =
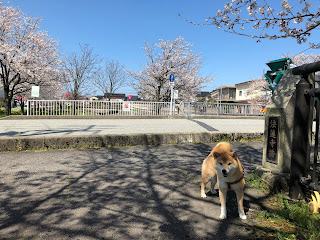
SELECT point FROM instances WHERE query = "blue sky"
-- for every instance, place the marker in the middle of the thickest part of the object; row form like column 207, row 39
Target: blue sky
column 117, row 30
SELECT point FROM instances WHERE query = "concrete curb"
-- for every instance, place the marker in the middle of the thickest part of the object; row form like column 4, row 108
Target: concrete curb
column 65, row 142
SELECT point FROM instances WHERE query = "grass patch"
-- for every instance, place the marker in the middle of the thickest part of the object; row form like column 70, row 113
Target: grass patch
column 282, row 217
column 255, row 180
column 286, row 219
column 14, row 111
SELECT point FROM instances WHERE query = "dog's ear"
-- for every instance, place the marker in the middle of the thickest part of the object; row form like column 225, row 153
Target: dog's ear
column 234, row 155
column 216, row 155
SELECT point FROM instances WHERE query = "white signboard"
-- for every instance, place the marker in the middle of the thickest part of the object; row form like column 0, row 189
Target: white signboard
column 35, row 91
column 175, row 94
column 126, row 106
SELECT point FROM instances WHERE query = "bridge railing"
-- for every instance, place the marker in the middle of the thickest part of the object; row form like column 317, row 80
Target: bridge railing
column 136, row 108
column 198, row 108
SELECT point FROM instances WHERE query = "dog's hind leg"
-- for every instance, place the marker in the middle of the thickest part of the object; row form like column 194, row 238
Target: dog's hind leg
column 203, row 188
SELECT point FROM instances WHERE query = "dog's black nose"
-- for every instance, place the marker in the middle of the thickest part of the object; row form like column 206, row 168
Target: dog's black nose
column 224, row 171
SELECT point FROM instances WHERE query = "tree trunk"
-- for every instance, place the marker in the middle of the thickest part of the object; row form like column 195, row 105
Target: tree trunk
column 8, row 105
column 22, row 106
column 7, row 100
column 158, row 94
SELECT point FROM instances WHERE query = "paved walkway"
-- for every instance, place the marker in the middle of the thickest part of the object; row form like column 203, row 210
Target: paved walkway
column 137, row 192
column 94, row 127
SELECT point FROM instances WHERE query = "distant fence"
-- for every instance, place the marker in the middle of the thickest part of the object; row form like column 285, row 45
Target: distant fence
column 196, row 108
column 135, row 108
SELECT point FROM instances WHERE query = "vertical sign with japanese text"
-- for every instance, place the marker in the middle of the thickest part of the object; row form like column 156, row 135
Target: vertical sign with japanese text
column 273, row 139
column 35, row 91
column 126, row 106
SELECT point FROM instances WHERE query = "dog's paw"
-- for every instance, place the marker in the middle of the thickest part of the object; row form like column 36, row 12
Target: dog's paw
column 242, row 216
column 203, row 195
column 214, row 191
column 223, row 214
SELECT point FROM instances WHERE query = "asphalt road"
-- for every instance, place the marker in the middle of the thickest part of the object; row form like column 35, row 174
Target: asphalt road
column 139, row 192
column 94, row 127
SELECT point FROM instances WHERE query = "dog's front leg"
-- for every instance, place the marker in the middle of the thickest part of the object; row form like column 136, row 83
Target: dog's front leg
column 213, row 183
column 223, row 201
column 239, row 194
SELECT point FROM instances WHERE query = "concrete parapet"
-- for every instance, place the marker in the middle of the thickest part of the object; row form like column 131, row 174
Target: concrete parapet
column 64, row 142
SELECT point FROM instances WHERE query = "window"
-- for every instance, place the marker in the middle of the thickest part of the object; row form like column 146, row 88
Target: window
column 240, row 93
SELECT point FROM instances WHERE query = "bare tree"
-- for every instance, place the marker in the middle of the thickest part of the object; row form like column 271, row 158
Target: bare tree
column 244, row 17
column 79, row 71
column 110, row 78
column 165, row 58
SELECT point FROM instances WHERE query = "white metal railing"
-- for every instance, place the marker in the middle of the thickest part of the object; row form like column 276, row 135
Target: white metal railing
column 136, row 108
column 196, row 108
column 96, row 108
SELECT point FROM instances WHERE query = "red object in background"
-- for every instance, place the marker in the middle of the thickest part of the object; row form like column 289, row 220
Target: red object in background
column 263, row 109
column 67, row 95
column 129, row 96
column 19, row 98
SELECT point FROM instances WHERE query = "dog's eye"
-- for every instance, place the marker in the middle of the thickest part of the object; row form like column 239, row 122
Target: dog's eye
column 220, row 164
column 229, row 163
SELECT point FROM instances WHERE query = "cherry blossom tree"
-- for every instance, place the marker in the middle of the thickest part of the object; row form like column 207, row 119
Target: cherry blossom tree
column 110, row 78
column 265, row 19
column 28, row 56
column 303, row 58
column 165, row 58
column 48, row 90
column 259, row 91
column 79, row 70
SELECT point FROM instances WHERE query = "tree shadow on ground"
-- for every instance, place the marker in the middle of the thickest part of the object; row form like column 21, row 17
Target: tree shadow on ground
column 149, row 192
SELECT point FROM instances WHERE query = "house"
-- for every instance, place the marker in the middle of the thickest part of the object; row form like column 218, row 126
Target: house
column 253, row 92
column 227, row 93
column 93, row 99
column 117, row 97
column 101, row 97
column 203, row 96
column 133, row 98
column 215, row 95
column 242, row 93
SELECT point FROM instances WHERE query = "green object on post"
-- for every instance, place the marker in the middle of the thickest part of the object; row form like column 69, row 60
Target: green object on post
column 277, row 69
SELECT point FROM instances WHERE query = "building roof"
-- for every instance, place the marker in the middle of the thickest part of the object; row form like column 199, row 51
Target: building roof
column 228, row 86
column 243, row 83
column 203, row 94
column 118, row 95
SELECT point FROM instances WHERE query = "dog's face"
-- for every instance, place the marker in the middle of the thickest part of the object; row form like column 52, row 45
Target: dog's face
column 226, row 163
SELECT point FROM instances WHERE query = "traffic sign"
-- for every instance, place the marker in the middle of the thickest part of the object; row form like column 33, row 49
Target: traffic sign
column 171, row 77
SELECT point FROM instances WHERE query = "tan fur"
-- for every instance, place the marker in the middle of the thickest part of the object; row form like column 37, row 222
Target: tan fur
column 223, row 166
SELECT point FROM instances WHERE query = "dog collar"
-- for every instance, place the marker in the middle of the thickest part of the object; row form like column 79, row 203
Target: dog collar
column 230, row 183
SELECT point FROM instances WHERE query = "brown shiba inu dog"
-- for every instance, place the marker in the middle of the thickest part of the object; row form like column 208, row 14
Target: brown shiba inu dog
column 223, row 167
